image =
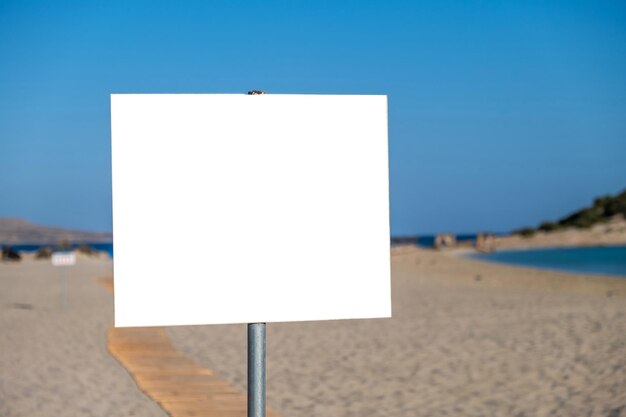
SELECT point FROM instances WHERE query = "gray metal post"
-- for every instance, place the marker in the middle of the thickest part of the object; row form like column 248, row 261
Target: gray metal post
column 256, row 370
column 256, row 356
column 62, row 273
column 65, row 273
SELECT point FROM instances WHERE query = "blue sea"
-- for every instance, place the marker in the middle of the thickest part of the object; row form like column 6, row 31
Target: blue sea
column 103, row 247
column 428, row 241
column 609, row 260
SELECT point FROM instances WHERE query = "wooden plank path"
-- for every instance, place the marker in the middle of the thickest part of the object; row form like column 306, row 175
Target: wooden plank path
column 176, row 382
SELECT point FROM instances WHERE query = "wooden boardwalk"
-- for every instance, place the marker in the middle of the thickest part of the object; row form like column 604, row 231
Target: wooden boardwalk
column 176, row 382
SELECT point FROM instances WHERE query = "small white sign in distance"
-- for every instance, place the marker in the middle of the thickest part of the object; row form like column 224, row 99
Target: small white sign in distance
column 63, row 259
column 233, row 208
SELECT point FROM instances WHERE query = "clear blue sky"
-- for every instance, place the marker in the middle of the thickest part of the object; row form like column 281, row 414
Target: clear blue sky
column 502, row 114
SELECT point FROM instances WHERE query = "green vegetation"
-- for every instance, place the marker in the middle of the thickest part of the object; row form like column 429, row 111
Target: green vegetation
column 524, row 231
column 548, row 226
column 602, row 210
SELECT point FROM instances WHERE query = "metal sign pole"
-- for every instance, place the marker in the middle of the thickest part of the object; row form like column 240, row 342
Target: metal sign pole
column 64, row 291
column 256, row 357
column 63, row 260
column 256, row 370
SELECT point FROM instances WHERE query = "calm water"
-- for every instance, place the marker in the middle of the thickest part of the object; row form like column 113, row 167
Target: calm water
column 428, row 241
column 609, row 260
column 104, row 247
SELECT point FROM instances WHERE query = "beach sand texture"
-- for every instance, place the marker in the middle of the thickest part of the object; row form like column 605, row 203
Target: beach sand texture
column 54, row 359
column 467, row 339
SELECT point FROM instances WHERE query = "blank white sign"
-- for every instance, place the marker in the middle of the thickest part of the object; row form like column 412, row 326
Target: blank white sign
column 230, row 208
column 63, row 259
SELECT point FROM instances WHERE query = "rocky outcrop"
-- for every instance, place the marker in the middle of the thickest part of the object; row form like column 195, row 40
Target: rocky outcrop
column 10, row 254
column 485, row 242
column 445, row 241
column 17, row 231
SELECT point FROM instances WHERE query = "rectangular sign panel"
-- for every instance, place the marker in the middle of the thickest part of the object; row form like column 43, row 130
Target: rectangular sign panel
column 63, row 259
column 233, row 208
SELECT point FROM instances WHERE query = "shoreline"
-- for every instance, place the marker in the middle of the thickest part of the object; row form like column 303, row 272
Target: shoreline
column 473, row 255
column 609, row 233
column 467, row 337
column 528, row 277
column 482, row 258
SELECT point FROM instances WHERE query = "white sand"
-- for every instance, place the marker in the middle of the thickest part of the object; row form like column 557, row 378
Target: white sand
column 467, row 339
column 53, row 361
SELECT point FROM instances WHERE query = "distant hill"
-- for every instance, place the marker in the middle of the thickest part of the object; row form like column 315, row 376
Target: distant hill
column 603, row 209
column 17, row 231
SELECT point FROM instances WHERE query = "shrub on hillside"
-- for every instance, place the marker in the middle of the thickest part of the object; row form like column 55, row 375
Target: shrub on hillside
column 548, row 226
column 525, row 232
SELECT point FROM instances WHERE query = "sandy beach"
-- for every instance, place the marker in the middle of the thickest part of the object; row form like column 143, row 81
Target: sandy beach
column 53, row 358
column 467, row 338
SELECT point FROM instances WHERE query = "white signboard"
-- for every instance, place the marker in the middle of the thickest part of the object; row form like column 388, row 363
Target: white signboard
column 232, row 208
column 63, row 258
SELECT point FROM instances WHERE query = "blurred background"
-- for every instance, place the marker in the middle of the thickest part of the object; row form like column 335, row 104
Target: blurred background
column 501, row 114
